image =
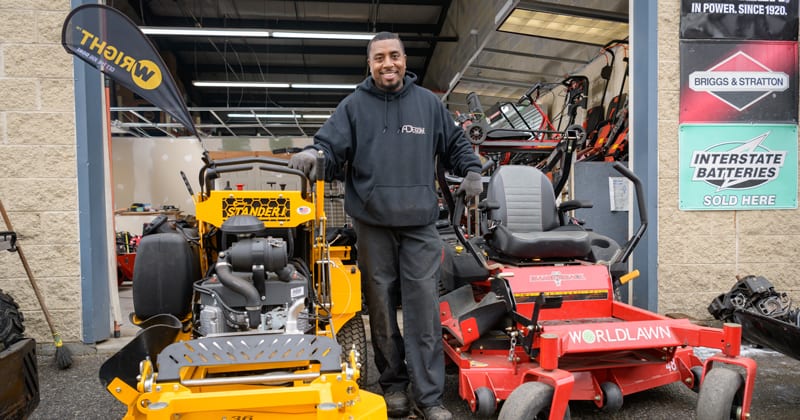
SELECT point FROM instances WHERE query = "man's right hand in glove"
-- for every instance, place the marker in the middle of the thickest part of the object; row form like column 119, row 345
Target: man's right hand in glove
column 305, row 162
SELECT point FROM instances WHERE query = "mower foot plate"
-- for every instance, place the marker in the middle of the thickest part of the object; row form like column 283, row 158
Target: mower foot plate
column 248, row 349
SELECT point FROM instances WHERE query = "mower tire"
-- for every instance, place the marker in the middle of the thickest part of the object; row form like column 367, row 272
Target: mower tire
column 11, row 326
column 485, row 402
column 530, row 401
column 353, row 334
column 612, row 397
column 720, row 395
column 697, row 375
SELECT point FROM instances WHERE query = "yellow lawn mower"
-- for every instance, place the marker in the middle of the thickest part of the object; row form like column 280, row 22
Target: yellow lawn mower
column 270, row 329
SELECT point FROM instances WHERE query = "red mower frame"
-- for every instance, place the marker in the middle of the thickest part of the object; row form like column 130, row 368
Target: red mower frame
column 565, row 338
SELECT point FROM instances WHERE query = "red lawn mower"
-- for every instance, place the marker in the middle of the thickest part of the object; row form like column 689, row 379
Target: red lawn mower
column 530, row 320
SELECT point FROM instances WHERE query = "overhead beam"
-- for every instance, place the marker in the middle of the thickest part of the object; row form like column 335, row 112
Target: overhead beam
column 502, row 82
column 571, row 10
column 401, row 2
column 272, row 69
column 531, row 55
column 515, row 71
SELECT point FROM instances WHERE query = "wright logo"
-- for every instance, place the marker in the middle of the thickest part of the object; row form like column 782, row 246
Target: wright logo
column 144, row 73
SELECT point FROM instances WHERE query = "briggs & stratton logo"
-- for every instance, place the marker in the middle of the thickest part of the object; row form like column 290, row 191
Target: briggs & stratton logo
column 739, row 81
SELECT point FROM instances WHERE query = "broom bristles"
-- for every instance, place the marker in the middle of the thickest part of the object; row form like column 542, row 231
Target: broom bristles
column 63, row 355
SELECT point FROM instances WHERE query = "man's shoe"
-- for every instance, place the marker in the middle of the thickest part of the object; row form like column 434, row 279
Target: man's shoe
column 397, row 404
column 436, row 412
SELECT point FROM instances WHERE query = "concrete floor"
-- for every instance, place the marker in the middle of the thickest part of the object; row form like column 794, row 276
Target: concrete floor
column 77, row 392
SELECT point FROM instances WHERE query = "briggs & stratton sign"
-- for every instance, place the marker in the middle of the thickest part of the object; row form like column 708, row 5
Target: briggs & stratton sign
column 724, row 81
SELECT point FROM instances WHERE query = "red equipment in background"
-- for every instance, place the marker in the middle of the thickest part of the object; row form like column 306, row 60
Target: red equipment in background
column 126, row 256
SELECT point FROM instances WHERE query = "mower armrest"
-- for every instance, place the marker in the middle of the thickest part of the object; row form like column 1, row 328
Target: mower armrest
column 488, row 205
column 570, row 205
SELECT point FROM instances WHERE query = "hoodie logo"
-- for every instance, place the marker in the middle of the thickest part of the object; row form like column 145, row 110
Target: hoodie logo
column 408, row 128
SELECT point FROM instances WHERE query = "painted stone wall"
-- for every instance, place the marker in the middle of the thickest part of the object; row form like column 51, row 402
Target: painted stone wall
column 38, row 184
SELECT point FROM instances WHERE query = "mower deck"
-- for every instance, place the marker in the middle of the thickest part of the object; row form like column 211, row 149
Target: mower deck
column 580, row 345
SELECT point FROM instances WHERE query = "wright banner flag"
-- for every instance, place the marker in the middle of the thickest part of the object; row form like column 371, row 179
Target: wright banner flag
column 108, row 40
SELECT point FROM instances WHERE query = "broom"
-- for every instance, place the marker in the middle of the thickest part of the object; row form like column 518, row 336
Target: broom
column 63, row 355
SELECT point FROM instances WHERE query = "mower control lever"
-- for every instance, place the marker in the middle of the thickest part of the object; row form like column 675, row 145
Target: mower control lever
column 634, row 240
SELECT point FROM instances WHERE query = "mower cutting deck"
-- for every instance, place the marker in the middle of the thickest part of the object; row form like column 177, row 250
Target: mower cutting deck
column 543, row 327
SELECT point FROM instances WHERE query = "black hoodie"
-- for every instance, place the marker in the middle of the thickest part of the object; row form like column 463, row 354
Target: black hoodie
column 390, row 141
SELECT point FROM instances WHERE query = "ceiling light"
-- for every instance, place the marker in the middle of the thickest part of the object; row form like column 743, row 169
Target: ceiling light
column 365, row 36
column 342, row 86
column 240, row 84
column 253, row 33
column 322, row 86
column 191, row 31
column 563, row 26
column 304, row 116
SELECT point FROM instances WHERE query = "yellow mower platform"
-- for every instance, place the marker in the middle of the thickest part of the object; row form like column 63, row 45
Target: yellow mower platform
column 293, row 376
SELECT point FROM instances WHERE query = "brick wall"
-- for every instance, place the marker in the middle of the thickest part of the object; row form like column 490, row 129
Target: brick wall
column 700, row 252
column 38, row 182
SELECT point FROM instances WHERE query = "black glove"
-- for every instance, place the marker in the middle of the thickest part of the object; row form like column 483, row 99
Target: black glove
column 305, row 162
column 471, row 185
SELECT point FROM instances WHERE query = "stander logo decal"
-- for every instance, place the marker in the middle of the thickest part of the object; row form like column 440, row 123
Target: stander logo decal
column 739, row 81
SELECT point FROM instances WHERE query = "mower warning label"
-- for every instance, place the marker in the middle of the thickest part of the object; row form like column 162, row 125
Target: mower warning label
column 619, row 334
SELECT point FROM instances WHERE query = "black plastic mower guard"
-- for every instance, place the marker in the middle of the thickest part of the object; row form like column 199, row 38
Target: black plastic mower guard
column 465, row 319
column 769, row 332
column 157, row 333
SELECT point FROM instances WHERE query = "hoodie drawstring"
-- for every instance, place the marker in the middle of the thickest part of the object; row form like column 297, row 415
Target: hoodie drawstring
column 385, row 113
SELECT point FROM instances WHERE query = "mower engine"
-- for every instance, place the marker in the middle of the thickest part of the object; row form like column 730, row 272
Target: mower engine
column 755, row 294
column 254, row 287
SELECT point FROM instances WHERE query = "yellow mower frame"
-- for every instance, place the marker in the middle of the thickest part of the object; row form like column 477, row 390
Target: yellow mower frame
column 249, row 376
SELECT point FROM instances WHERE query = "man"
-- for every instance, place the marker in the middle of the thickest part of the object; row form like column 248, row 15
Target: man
column 390, row 133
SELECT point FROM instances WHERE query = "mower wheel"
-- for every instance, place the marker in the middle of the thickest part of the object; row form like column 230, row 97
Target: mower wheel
column 697, row 374
column 612, row 397
column 485, row 402
column 530, row 401
column 352, row 334
column 11, row 326
column 720, row 395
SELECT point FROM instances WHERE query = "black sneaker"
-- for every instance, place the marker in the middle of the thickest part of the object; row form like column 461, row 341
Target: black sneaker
column 436, row 412
column 397, row 404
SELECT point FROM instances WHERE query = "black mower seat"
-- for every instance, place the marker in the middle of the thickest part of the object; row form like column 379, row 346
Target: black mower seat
column 524, row 208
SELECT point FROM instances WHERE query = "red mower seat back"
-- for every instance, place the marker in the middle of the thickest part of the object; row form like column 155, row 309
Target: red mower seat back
column 527, row 217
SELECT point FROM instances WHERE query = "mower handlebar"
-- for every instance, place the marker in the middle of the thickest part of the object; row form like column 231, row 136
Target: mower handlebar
column 634, row 240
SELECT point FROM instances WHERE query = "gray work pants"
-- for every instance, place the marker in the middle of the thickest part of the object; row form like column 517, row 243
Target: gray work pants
column 402, row 265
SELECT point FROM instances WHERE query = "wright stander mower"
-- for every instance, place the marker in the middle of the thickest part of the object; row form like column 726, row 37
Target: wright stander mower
column 271, row 329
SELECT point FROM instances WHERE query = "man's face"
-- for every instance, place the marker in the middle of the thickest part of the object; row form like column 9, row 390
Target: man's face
column 387, row 64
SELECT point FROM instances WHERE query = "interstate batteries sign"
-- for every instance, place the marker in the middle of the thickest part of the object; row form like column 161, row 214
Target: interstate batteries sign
column 734, row 81
column 737, row 167
column 739, row 19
